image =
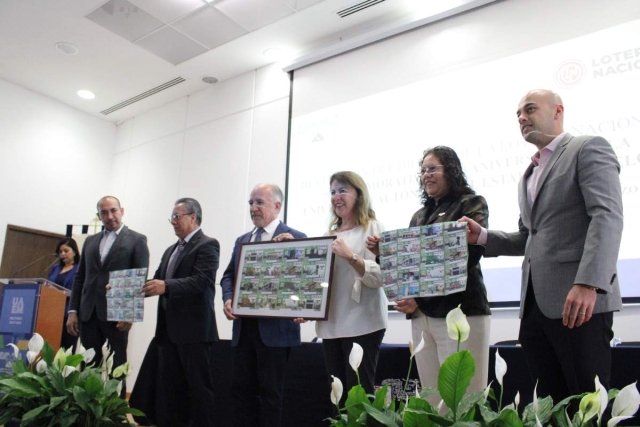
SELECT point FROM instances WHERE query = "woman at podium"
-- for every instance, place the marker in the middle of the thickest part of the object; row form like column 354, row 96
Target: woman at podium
column 62, row 274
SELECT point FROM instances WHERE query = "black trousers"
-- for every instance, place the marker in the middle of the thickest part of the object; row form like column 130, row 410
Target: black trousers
column 93, row 334
column 258, row 379
column 336, row 356
column 565, row 361
column 185, row 394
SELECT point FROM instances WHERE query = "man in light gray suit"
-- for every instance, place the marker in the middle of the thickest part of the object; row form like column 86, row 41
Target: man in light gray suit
column 569, row 233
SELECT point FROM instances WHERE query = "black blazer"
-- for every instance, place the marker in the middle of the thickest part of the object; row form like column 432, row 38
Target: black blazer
column 89, row 291
column 185, row 312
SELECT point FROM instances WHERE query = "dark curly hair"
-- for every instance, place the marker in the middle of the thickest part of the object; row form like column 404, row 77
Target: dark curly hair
column 456, row 179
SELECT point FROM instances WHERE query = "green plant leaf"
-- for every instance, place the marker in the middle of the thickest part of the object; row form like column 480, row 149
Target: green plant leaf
column 454, row 377
column 416, row 413
column 68, row 420
column 441, row 421
column 56, row 400
column 507, row 418
column 81, row 397
column 467, row 404
column 33, row 414
column 23, row 386
column 93, row 386
column 74, row 360
column 545, row 405
column 47, row 353
column 388, row 420
column 353, row 404
column 380, row 397
column 487, row 414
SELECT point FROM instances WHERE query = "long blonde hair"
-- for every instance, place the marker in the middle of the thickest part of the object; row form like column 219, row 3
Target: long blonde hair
column 364, row 212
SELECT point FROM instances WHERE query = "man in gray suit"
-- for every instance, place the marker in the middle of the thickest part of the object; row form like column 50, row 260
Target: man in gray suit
column 569, row 233
column 116, row 248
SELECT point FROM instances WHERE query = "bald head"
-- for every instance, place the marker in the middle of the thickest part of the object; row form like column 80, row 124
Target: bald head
column 541, row 115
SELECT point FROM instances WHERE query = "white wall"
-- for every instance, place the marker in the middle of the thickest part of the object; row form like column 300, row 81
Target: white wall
column 55, row 161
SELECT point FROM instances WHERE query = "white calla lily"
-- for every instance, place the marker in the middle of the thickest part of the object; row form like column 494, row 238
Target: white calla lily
column 68, row 370
column 355, row 357
column 625, row 405
column 88, row 355
column 604, row 398
column 440, row 405
column 119, row 388
column 60, row 359
column 109, row 363
column 336, row 390
column 41, row 366
column 124, row 369
column 535, row 399
column 486, row 392
column 457, row 325
column 419, row 347
column 105, row 350
column 36, row 343
column 16, row 350
column 516, row 401
column 538, row 423
column 501, row 368
column 589, row 406
column 31, row 356
column 80, row 348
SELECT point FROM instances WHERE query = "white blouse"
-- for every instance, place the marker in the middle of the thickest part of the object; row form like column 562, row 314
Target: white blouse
column 348, row 317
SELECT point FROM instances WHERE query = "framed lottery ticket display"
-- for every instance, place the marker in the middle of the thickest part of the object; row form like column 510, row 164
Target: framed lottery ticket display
column 284, row 279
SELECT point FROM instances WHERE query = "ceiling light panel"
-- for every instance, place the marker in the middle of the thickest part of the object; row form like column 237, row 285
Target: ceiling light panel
column 169, row 10
column 171, row 45
column 125, row 19
column 209, row 27
column 253, row 14
column 301, row 4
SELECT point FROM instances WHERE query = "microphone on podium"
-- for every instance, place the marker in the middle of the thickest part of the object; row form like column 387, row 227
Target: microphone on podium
column 33, row 262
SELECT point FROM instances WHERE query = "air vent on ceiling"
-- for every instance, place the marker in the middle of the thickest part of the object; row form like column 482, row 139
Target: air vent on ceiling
column 143, row 95
column 354, row 8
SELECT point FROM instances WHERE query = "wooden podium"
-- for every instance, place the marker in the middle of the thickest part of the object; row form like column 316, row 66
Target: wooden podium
column 39, row 306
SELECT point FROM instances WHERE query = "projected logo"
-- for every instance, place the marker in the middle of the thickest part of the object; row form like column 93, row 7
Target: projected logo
column 570, row 73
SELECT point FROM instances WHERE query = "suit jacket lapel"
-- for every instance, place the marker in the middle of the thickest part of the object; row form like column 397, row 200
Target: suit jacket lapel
column 187, row 248
column 116, row 244
column 525, row 211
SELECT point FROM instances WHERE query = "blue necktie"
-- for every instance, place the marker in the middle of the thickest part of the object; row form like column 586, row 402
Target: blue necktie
column 259, row 235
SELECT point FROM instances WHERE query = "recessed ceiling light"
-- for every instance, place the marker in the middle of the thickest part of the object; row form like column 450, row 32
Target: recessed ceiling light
column 67, row 48
column 209, row 80
column 86, row 94
column 273, row 54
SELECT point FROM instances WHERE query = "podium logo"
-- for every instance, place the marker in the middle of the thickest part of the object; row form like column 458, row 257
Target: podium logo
column 17, row 305
column 570, row 73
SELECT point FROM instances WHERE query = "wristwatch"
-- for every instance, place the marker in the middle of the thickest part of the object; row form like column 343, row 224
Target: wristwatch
column 354, row 258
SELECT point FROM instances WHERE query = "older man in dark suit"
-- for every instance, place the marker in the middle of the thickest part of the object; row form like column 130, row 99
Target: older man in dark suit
column 116, row 248
column 569, row 233
column 186, row 325
column 261, row 346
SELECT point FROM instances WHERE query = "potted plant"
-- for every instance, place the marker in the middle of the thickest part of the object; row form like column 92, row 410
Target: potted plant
column 64, row 389
column 457, row 409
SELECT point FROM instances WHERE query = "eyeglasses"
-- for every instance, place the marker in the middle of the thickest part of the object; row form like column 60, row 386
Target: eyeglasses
column 177, row 216
column 429, row 170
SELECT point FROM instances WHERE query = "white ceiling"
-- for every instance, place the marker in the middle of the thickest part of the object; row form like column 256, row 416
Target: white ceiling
column 159, row 40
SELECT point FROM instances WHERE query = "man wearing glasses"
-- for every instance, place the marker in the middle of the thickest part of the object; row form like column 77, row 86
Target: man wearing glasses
column 116, row 248
column 261, row 346
column 186, row 325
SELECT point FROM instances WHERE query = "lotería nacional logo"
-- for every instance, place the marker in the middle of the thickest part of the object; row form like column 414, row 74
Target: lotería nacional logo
column 570, row 73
